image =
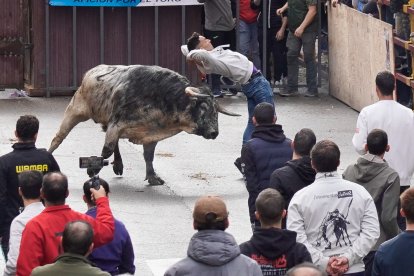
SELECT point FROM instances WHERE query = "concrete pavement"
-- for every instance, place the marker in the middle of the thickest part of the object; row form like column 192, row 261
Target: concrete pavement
column 159, row 218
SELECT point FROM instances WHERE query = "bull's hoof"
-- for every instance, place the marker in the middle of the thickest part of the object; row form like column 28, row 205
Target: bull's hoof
column 118, row 167
column 155, row 180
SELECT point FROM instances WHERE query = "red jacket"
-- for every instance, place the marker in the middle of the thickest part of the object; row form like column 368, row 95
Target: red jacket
column 41, row 239
column 247, row 14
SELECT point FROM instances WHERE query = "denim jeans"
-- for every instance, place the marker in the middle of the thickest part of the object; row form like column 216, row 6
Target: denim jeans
column 294, row 44
column 248, row 43
column 257, row 90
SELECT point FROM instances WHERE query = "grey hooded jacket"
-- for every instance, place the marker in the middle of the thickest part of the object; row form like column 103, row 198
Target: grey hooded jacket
column 214, row 252
column 383, row 184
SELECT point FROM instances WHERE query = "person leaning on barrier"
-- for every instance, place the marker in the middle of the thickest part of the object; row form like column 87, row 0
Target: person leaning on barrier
column 25, row 156
column 77, row 244
column 116, row 257
column 42, row 236
column 212, row 251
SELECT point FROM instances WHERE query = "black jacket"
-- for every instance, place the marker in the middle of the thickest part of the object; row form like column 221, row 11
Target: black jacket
column 275, row 250
column 24, row 157
column 269, row 149
column 292, row 177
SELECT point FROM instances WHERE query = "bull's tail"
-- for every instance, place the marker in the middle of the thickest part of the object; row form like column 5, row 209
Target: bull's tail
column 74, row 114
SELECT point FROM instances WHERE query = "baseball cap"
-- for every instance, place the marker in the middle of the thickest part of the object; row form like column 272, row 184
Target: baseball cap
column 209, row 209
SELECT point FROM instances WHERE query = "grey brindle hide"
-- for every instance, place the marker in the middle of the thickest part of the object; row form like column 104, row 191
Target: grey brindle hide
column 144, row 104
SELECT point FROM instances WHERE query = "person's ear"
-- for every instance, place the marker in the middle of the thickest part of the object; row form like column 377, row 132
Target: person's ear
column 67, row 194
column 274, row 119
column 257, row 215
column 42, row 194
column 402, row 212
column 35, row 137
column 254, row 121
column 313, row 165
column 194, row 225
column 20, row 192
column 292, row 145
column 90, row 249
column 226, row 223
column 15, row 134
column 84, row 199
column 387, row 149
column 284, row 213
column 366, row 147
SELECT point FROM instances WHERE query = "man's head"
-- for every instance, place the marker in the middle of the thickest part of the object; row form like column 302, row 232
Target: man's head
column 305, row 269
column 407, row 205
column 377, row 142
column 78, row 238
column 30, row 183
column 304, row 140
column 27, row 127
column 270, row 207
column 325, row 156
column 54, row 188
column 385, row 82
column 210, row 212
column 87, row 195
column 264, row 114
column 197, row 41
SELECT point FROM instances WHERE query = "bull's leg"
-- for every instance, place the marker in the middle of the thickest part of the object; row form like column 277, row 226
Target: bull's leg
column 151, row 176
column 71, row 118
column 111, row 140
column 118, row 166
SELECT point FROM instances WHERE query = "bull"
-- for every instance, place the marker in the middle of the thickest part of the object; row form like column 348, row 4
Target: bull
column 145, row 104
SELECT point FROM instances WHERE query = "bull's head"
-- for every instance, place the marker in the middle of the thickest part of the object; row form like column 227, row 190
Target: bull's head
column 204, row 110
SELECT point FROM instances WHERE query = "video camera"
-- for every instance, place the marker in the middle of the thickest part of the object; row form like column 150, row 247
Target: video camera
column 94, row 164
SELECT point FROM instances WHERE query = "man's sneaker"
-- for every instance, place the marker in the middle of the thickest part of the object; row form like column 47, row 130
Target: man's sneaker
column 286, row 93
column 218, row 95
column 238, row 164
column 311, row 94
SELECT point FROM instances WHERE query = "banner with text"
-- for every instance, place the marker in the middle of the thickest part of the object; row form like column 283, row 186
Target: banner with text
column 121, row 3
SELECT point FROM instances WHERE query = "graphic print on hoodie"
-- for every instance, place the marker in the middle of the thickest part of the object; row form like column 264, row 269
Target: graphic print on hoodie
column 275, row 250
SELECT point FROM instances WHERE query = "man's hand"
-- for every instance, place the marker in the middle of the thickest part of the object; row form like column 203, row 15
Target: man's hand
column 335, row 2
column 97, row 193
column 280, row 11
column 280, row 34
column 299, row 32
column 337, row 266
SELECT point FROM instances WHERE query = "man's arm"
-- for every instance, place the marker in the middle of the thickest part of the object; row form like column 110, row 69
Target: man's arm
column 361, row 132
column 54, row 165
column 202, row 59
column 250, row 173
column 310, row 15
column 281, row 32
column 103, row 226
column 295, row 222
column 16, row 230
column 389, row 207
column 31, row 250
column 282, row 9
column 368, row 235
column 128, row 257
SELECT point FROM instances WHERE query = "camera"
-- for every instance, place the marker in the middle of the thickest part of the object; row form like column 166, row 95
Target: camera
column 94, row 182
column 92, row 163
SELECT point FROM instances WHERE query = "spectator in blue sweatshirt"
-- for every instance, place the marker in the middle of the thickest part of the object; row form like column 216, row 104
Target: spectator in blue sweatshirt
column 116, row 257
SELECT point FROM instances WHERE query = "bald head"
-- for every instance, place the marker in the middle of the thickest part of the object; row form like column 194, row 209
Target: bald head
column 305, row 269
column 55, row 188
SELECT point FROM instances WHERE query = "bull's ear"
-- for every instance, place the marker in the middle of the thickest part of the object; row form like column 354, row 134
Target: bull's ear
column 195, row 92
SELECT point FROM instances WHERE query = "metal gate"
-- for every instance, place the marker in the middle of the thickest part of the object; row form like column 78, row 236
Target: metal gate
column 14, row 43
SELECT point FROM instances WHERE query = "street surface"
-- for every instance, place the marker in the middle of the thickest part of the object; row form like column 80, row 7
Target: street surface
column 159, row 218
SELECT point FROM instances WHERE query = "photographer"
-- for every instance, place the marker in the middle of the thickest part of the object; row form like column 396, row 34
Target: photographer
column 41, row 238
column 116, row 257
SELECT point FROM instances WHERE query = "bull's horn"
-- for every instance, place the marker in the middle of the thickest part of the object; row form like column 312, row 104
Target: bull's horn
column 195, row 92
column 224, row 111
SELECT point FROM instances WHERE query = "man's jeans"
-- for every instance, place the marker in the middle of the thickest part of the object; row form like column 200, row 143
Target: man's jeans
column 294, row 44
column 248, row 43
column 257, row 90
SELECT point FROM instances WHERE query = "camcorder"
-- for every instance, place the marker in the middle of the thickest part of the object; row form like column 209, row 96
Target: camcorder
column 94, row 164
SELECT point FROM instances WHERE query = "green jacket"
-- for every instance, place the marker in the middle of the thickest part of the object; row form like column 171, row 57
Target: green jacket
column 69, row 264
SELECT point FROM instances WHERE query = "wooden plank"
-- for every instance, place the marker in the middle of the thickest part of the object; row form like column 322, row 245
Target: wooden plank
column 360, row 46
